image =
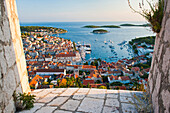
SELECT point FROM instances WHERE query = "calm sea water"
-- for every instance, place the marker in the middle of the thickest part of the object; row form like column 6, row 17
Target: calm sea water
column 83, row 35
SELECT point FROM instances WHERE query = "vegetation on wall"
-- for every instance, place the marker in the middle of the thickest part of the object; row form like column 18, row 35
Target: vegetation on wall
column 154, row 15
column 24, row 101
column 143, row 103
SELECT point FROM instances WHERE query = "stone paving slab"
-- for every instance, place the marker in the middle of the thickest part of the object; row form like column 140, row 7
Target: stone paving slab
column 61, row 111
column 126, row 99
column 42, row 93
column 97, row 93
column 36, row 106
column 83, row 90
column 91, row 105
column 47, row 109
column 79, row 96
column 59, row 90
column 83, row 100
column 112, row 93
column 70, row 105
column 47, row 98
column 69, row 92
column 128, row 108
column 58, row 101
column 112, row 102
column 107, row 109
column 125, row 93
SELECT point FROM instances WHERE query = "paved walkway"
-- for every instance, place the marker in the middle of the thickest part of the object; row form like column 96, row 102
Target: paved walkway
column 83, row 100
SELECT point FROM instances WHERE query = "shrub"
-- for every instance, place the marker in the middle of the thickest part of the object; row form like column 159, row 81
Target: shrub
column 102, row 87
column 24, row 101
column 45, row 83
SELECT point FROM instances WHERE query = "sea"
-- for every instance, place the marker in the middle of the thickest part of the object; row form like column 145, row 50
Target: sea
column 99, row 49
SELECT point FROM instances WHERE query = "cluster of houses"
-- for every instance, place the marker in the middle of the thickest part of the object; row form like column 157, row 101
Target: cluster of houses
column 144, row 48
column 51, row 58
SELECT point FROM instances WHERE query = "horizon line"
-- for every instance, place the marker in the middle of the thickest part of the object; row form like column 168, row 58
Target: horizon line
column 78, row 21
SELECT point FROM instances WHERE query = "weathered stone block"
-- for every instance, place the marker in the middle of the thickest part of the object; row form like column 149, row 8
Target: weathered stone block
column 47, row 98
column 128, row 108
column 125, row 93
column 107, row 109
column 79, row 96
column 97, row 93
column 83, row 90
column 71, row 105
column 62, row 111
column 69, row 92
column 10, row 55
column 9, row 84
column 91, row 105
column 10, row 108
column 59, row 90
column 32, row 110
column 47, row 109
column 112, row 102
column 126, row 99
column 3, row 63
column 58, row 101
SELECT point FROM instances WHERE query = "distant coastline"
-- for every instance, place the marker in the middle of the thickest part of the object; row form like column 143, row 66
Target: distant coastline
column 104, row 26
column 129, row 25
column 52, row 30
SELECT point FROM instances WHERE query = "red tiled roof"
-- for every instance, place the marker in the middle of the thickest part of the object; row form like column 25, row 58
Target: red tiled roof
column 113, row 77
column 46, row 76
column 125, row 78
column 88, row 66
column 86, row 82
column 66, row 55
column 135, row 68
column 50, row 70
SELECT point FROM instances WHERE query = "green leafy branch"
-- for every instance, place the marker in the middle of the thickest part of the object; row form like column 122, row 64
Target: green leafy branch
column 154, row 15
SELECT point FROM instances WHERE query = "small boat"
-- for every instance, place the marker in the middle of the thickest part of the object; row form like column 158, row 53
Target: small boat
column 104, row 41
column 122, row 43
column 111, row 46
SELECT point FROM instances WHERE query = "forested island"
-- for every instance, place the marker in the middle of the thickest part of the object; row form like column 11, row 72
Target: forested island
column 104, row 26
column 143, row 25
column 100, row 31
column 42, row 29
column 148, row 40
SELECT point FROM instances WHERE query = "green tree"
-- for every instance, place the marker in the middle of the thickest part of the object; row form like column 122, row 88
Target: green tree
column 86, row 63
column 58, row 82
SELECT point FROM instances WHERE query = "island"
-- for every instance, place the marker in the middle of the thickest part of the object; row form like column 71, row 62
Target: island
column 131, row 25
column 43, row 29
column 100, row 31
column 104, row 26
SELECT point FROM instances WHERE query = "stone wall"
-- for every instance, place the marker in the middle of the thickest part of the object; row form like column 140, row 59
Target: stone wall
column 13, row 73
column 159, row 78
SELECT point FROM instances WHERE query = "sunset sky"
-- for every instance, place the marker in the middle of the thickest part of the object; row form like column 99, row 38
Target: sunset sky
column 76, row 10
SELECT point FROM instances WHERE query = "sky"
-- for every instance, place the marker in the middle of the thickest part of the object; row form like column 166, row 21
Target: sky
column 76, row 10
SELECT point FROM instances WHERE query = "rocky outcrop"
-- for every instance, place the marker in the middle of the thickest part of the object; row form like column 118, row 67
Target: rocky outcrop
column 13, row 73
column 159, row 78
